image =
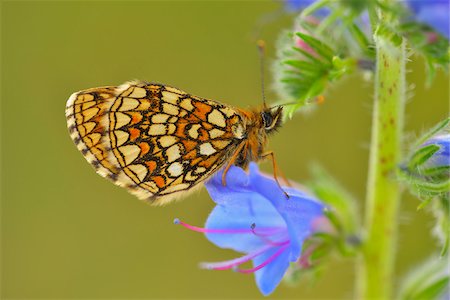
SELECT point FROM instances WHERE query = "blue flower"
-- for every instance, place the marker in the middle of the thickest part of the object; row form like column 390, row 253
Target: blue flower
column 427, row 168
column 441, row 156
column 297, row 5
column 434, row 13
column 254, row 217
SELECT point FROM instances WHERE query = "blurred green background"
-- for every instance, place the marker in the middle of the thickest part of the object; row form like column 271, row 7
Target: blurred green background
column 68, row 233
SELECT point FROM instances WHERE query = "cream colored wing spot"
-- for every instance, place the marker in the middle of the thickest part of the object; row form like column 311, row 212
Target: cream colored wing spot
column 144, row 104
column 199, row 170
column 121, row 119
column 238, row 131
column 86, row 97
column 150, row 185
column 124, row 180
column 215, row 133
column 82, row 130
column 172, row 120
column 130, row 153
column 175, row 169
column 187, row 104
column 207, row 149
column 221, row 144
column 228, row 112
column 170, row 109
column 128, row 104
column 179, row 180
column 121, row 137
column 182, row 114
column 167, row 140
column 89, row 126
column 216, row 117
column 174, row 90
column 190, row 177
column 90, row 113
column 95, row 138
column 171, row 128
column 139, row 170
column 160, row 118
column 157, row 129
column 138, row 93
column 193, row 131
column 86, row 105
column 174, row 188
column 125, row 89
column 173, row 153
column 170, row 97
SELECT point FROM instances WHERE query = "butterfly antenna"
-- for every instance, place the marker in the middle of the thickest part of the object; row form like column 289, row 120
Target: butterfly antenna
column 261, row 48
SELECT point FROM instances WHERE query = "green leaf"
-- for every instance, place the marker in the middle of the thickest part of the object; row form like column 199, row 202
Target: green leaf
column 387, row 32
column 441, row 210
column 316, row 88
column 320, row 252
column 427, row 281
column 432, row 188
column 302, row 65
column 334, row 219
column 438, row 173
column 422, row 155
column 444, row 125
column 425, row 179
column 318, row 46
column 362, row 40
column 433, row 291
column 433, row 47
column 309, row 56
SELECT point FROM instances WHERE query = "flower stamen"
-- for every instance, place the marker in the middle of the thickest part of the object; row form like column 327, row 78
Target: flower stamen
column 269, row 230
column 233, row 263
column 266, row 262
column 263, row 235
column 205, row 230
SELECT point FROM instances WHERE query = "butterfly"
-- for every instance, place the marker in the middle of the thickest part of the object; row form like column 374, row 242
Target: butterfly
column 159, row 142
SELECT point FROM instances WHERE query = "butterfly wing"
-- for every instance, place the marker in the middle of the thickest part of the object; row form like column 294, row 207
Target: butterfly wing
column 85, row 111
column 155, row 140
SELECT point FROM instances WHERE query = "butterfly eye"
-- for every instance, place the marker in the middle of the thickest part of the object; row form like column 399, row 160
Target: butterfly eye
column 267, row 119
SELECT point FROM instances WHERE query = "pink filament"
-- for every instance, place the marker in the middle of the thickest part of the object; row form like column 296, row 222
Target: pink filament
column 263, row 237
column 265, row 263
column 262, row 233
column 241, row 230
column 229, row 264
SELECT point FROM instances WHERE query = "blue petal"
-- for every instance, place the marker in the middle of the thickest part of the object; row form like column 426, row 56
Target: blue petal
column 239, row 211
column 256, row 198
column 298, row 211
column 296, row 5
column 440, row 158
column 433, row 13
column 236, row 180
column 268, row 278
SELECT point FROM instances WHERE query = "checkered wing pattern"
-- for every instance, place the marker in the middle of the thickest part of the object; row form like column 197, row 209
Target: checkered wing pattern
column 155, row 140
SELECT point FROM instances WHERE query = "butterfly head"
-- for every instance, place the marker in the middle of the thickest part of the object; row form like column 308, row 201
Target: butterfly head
column 271, row 118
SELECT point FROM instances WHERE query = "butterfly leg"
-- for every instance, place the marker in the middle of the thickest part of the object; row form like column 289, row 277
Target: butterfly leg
column 231, row 162
column 276, row 170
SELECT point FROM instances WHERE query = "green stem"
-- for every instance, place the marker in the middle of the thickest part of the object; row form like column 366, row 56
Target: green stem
column 383, row 192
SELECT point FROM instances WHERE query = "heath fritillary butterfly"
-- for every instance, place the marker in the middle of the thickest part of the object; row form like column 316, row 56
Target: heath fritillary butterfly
column 160, row 142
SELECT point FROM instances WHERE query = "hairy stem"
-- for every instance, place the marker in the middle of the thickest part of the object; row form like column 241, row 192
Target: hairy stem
column 383, row 192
